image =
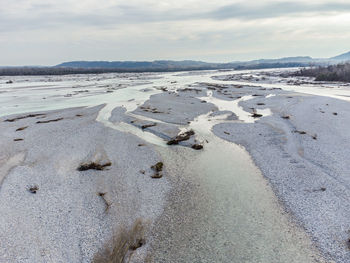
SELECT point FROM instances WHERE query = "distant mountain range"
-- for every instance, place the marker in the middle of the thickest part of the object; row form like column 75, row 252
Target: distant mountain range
column 170, row 65
column 157, row 64
column 342, row 57
column 178, row 65
column 284, row 60
column 85, row 67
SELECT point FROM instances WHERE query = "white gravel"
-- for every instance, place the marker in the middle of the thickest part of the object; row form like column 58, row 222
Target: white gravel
column 309, row 172
column 66, row 220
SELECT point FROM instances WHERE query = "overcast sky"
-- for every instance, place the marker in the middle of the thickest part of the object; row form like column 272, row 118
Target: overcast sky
column 47, row 32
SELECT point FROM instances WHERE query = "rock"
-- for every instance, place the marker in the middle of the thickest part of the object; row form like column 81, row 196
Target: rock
column 22, row 128
column 94, row 166
column 33, row 189
column 197, row 146
column 300, row 132
column 24, row 117
column 157, row 168
column 256, row 115
column 181, row 137
column 148, row 125
column 157, row 175
column 54, row 120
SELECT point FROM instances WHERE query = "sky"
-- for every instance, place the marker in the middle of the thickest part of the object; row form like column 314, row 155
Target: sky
column 48, row 32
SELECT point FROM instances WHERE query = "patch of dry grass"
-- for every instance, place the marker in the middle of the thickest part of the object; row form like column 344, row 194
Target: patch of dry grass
column 122, row 244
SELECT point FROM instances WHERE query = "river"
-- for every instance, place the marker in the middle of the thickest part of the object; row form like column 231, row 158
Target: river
column 222, row 209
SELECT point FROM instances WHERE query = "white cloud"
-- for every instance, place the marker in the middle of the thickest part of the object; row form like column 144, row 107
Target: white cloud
column 48, row 32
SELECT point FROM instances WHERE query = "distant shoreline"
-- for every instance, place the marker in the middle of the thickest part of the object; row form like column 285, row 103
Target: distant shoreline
column 54, row 71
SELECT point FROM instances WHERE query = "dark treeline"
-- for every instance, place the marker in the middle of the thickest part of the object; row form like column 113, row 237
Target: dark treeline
column 26, row 71
column 340, row 72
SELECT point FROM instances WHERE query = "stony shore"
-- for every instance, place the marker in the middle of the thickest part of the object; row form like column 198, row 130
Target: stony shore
column 53, row 209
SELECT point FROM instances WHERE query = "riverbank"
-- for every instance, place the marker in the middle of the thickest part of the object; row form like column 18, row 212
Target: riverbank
column 302, row 150
column 70, row 187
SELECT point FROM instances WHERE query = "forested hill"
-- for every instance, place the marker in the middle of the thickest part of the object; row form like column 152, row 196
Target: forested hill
column 158, row 64
column 90, row 67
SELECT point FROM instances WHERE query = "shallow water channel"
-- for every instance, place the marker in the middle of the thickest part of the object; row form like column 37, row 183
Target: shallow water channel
column 221, row 208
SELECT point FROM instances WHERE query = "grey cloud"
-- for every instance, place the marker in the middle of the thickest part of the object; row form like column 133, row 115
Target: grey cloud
column 276, row 9
column 42, row 16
